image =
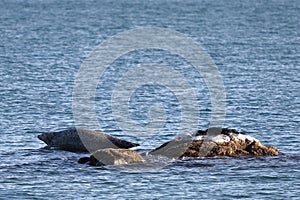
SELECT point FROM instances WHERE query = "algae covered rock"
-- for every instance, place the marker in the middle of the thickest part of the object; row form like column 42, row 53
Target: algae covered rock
column 215, row 142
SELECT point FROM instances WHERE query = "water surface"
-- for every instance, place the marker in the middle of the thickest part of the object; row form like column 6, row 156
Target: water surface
column 255, row 45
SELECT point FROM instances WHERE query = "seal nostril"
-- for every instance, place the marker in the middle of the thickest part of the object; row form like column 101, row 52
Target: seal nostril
column 43, row 138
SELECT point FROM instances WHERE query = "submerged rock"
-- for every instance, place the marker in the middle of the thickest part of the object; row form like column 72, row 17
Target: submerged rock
column 112, row 157
column 215, row 142
column 72, row 140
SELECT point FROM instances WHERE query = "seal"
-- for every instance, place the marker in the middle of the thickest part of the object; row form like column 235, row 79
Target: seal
column 112, row 157
column 71, row 140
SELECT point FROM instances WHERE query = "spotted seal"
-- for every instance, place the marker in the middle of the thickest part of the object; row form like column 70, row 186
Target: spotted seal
column 71, row 140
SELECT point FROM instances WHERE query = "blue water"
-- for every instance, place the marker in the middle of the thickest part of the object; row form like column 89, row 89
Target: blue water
column 255, row 45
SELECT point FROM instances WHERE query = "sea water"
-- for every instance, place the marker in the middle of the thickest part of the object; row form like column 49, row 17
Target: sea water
column 254, row 44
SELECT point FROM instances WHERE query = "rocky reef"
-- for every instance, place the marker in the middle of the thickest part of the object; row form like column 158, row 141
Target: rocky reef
column 215, row 142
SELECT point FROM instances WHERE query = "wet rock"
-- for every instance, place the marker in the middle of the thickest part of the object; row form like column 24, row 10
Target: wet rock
column 111, row 156
column 215, row 142
column 72, row 140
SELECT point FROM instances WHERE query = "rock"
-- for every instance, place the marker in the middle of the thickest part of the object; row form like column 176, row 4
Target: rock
column 111, row 156
column 82, row 140
column 215, row 142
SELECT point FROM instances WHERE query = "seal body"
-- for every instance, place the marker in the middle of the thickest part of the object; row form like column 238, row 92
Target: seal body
column 82, row 140
column 112, row 157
